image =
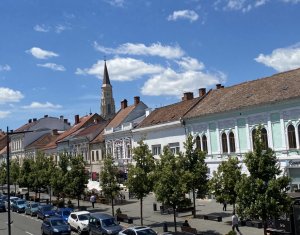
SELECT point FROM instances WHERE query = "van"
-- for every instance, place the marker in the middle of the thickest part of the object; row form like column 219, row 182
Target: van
column 101, row 223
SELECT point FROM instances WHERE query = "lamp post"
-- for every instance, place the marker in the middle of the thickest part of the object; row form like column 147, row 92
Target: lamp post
column 8, row 170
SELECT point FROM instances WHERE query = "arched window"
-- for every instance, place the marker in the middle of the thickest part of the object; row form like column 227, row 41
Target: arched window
column 231, row 142
column 264, row 138
column 204, row 143
column 198, row 143
column 224, row 143
column 292, row 137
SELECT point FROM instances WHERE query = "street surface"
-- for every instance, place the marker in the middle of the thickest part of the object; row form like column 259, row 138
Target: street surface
column 26, row 225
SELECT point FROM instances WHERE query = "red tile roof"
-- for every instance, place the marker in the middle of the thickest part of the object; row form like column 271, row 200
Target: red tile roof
column 120, row 116
column 276, row 88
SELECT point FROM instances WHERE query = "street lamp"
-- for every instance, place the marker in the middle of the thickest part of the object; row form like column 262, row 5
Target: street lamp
column 8, row 169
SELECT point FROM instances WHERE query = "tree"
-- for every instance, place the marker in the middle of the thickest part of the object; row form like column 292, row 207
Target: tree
column 14, row 172
column 3, row 177
column 195, row 170
column 25, row 179
column 108, row 178
column 140, row 180
column 224, row 180
column 76, row 178
column 170, row 187
column 262, row 194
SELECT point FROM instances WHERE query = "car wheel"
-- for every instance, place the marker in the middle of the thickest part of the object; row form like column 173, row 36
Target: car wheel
column 79, row 230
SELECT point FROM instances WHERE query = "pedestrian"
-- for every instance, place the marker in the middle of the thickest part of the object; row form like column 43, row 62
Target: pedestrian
column 93, row 200
column 235, row 222
column 186, row 224
column 224, row 205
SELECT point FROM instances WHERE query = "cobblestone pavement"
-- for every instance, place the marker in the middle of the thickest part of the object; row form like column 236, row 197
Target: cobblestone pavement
column 157, row 221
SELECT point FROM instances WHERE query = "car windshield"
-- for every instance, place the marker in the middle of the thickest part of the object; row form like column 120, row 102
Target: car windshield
column 21, row 202
column 84, row 217
column 109, row 222
column 146, row 232
column 34, row 205
column 47, row 208
column 58, row 222
column 66, row 213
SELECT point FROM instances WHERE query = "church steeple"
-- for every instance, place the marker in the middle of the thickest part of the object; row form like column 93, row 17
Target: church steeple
column 107, row 100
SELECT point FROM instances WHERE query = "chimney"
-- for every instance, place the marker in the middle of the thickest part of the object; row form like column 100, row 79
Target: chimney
column 45, row 116
column 54, row 132
column 188, row 96
column 29, row 121
column 202, row 92
column 34, row 119
column 136, row 100
column 76, row 119
column 218, row 86
column 124, row 104
column 66, row 120
column 61, row 117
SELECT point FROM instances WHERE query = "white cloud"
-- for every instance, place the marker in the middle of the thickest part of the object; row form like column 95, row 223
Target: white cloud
column 38, row 105
column 60, row 28
column 4, row 114
column 291, row 1
column 239, row 5
column 155, row 49
column 8, row 95
column 41, row 28
column 172, row 83
column 5, row 67
column 183, row 14
column 282, row 59
column 116, row 3
column 53, row 66
column 188, row 63
column 122, row 69
column 40, row 53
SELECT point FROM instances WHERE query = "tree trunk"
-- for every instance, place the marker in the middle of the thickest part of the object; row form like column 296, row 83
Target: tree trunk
column 265, row 227
column 78, row 199
column 50, row 194
column 194, row 203
column 141, row 210
column 15, row 189
column 174, row 213
column 112, row 206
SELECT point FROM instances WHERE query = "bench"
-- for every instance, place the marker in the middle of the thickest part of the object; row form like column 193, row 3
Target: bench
column 124, row 218
column 165, row 210
column 272, row 231
column 254, row 223
column 189, row 230
column 212, row 217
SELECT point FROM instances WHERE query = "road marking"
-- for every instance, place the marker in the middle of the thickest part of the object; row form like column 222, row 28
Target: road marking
column 29, row 233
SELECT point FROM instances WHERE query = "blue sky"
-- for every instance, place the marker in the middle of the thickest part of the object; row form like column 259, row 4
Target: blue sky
column 52, row 51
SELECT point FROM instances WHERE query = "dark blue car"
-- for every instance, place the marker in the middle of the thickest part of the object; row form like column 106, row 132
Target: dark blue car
column 45, row 211
column 55, row 226
column 63, row 213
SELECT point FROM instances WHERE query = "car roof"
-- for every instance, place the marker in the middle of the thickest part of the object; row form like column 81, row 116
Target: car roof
column 80, row 212
column 64, row 209
column 101, row 215
column 138, row 227
column 13, row 198
column 53, row 218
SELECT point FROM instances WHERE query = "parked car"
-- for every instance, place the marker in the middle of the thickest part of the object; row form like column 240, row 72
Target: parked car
column 12, row 200
column 2, row 205
column 19, row 205
column 45, row 211
column 63, row 213
column 79, row 220
column 32, row 208
column 138, row 230
column 55, row 226
column 101, row 223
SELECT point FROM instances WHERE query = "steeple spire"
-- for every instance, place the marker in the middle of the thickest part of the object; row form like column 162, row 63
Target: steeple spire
column 105, row 75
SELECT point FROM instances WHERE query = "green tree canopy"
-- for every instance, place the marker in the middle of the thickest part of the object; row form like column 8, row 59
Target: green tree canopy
column 140, row 179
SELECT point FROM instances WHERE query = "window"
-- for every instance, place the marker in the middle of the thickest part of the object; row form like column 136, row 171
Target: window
column 93, row 157
column 264, row 138
column 198, row 143
column 204, row 143
column 292, row 137
column 97, row 155
column 119, row 152
column 174, row 147
column 231, row 142
column 156, row 149
column 224, row 143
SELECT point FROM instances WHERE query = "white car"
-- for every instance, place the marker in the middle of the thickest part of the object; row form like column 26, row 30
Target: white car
column 138, row 230
column 79, row 221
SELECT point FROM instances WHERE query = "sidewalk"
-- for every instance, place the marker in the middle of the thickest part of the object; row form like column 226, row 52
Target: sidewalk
column 157, row 221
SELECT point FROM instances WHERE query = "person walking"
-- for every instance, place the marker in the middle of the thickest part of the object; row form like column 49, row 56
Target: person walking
column 235, row 222
column 224, row 205
column 93, row 200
